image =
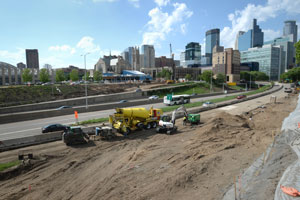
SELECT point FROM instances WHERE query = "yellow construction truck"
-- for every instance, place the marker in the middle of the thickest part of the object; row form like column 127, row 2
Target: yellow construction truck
column 126, row 120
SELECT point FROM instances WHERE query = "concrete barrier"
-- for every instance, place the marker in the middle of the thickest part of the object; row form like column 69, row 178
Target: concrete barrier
column 54, row 136
column 30, row 140
column 39, row 114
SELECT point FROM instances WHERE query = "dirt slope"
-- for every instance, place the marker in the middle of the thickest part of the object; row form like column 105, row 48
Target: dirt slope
column 198, row 162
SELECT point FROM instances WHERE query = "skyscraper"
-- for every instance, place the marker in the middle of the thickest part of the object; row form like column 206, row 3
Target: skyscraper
column 148, row 56
column 212, row 39
column 289, row 28
column 252, row 38
column 193, row 54
column 32, row 58
column 132, row 55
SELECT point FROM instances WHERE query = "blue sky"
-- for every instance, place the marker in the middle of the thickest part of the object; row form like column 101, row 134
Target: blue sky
column 63, row 30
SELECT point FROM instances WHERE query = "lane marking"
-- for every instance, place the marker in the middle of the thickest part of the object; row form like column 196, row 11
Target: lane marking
column 20, row 131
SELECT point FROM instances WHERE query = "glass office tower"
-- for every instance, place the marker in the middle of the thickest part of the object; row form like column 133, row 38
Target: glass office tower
column 212, row 40
column 252, row 38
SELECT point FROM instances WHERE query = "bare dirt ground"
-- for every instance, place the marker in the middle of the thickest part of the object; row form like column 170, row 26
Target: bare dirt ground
column 199, row 162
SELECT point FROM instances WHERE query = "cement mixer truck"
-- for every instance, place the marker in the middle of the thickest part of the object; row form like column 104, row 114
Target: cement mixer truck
column 126, row 120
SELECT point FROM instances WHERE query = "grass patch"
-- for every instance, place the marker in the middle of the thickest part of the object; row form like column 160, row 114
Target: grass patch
column 189, row 105
column 92, row 121
column 4, row 166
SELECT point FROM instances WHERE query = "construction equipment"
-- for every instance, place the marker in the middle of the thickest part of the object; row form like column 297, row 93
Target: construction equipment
column 126, row 120
column 167, row 124
column 105, row 132
column 75, row 135
column 192, row 119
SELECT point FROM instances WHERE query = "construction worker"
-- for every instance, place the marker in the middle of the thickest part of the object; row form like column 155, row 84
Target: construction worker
column 184, row 120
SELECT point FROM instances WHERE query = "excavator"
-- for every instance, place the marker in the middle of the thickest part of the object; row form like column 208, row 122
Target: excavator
column 167, row 124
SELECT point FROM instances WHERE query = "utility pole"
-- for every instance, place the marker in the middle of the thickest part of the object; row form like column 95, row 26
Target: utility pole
column 86, row 100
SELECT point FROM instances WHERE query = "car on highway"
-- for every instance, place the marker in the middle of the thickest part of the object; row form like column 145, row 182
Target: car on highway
column 241, row 96
column 208, row 104
column 123, row 101
column 288, row 90
column 63, row 107
column 153, row 97
column 53, row 128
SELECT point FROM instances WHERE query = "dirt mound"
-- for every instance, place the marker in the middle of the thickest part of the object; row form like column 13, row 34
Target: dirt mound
column 199, row 162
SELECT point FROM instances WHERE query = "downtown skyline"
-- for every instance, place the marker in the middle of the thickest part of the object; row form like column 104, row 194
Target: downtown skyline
column 64, row 30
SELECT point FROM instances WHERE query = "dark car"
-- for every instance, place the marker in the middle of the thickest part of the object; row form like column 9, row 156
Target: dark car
column 54, row 127
column 241, row 96
column 63, row 107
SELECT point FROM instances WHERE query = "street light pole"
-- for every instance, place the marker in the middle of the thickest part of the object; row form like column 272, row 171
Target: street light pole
column 211, row 82
column 250, row 82
column 86, row 100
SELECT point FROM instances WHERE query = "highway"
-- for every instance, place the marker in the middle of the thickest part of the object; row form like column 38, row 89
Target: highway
column 33, row 127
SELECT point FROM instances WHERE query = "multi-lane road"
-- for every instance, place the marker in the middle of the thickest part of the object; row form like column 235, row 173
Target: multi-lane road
column 33, row 127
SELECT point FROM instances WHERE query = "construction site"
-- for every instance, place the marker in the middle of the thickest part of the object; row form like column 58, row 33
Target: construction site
column 238, row 151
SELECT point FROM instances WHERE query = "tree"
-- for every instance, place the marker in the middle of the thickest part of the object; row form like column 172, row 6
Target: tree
column 97, row 76
column 292, row 74
column 87, row 76
column 221, row 78
column 164, row 74
column 207, row 76
column 74, row 75
column 188, row 77
column 27, row 75
column 44, row 75
column 60, row 76
column 297, row 49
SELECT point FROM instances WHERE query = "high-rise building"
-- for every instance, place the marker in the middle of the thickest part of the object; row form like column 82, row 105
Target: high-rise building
column 148, row 56
column 252, row 38
column 270, row 58
column 212, row 40
column 226, row 62
column 182, row 59
column 288, row 48
column 32, row 58
column 193, row 54
column 236, row 45
column 290, row 28
column 132, row 55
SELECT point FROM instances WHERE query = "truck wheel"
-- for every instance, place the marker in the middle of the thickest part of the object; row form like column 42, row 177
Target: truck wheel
column 168, row 132
column 158, row 130
column 148, row 126
column 126, row 132
column 154, row 125
column 140, row 126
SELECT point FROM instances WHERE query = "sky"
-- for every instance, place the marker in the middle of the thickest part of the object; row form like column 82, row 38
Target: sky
column 64, row 30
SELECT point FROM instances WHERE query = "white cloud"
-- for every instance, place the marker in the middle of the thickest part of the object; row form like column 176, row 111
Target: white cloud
column 241, row 19
column 86, row 43
column 183, row 28
column 162, row 23
column 109, row 1
column 135, row 3
column 161, row 3
column 60, row 48
column 13, row 57
column 270, row 34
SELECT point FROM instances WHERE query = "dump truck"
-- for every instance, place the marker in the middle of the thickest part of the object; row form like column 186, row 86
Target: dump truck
column 126, row 120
